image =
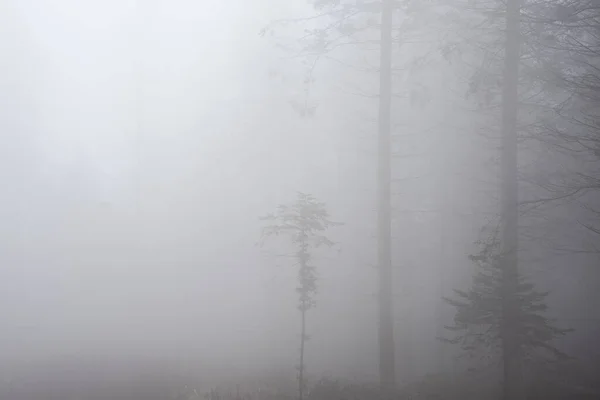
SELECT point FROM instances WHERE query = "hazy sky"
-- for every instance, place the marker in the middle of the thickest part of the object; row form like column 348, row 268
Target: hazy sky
column 153, row 149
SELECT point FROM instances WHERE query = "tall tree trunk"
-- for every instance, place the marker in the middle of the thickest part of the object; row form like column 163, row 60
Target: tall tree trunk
column 513, row 388
column 387, row 370
column 444, row 229
column 301, row 367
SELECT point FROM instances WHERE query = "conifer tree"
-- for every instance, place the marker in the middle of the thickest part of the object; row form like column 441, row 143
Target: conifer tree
column 479, row 322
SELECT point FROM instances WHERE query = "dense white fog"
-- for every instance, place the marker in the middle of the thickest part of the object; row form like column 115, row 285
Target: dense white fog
column 140, row 142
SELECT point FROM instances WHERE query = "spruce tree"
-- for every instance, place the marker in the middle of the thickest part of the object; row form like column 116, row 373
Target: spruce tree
column 479, row 323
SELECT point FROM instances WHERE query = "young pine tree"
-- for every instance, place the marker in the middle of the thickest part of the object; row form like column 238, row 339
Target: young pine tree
column 303, row 223
column 479, row 321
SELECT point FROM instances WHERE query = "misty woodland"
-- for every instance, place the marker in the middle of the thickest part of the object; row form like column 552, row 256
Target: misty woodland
column 300, row 200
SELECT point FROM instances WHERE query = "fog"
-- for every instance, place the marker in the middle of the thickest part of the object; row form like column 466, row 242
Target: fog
column 142, row 140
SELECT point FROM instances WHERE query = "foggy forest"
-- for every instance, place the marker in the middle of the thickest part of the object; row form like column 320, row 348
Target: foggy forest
column 299, row 199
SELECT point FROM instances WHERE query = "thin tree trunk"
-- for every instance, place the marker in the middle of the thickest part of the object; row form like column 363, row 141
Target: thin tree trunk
column 387, row 370
column 510, row 346
column 444, row 221
column 301, row 367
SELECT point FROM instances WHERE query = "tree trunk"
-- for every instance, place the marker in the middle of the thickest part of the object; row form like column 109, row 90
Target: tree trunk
column 509, row 195
column 387, row 370
column 301, row 367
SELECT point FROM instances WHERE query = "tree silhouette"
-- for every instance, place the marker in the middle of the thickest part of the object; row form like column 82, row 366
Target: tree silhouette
column 480, row 319
column 303, row 223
